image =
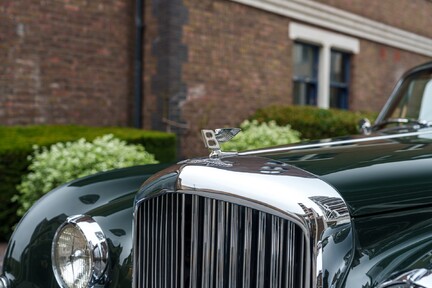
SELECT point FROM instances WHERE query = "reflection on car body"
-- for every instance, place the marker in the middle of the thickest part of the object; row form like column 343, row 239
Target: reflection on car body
column 349, row 212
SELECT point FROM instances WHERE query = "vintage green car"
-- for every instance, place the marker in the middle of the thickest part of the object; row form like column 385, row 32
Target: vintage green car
column 348, row 212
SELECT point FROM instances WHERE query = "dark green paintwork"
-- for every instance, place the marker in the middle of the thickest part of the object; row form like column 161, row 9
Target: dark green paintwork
column 373, row 176
column 389, row 244
column 108, row 197
column 387, row 185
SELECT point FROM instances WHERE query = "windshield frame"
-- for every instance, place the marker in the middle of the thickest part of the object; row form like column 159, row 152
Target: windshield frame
column 386, row 113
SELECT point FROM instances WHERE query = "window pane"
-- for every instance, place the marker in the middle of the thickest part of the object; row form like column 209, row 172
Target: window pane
column 338, row 68
column 305, row 61
column 338, row 98
column 415, row 98
column 339, row 79
column 304, row 94
column 305, row 58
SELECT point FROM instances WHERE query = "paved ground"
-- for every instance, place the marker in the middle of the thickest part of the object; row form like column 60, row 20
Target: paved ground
column 2, row 251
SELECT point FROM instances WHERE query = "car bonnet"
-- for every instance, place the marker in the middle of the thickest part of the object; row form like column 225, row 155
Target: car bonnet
column 374, row 174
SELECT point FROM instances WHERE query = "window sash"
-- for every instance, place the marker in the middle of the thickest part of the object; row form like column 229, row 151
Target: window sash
column 339, row 87
column 305, row 84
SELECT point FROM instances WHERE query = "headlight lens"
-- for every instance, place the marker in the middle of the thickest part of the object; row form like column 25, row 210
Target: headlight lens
column 79, row 252
column 72, row 257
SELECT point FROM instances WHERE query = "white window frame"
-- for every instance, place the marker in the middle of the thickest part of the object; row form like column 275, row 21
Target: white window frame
column 329, row 17
column 326, row 41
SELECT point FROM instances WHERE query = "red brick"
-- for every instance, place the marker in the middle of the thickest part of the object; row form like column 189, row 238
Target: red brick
column 63, row 60
column 66, row 51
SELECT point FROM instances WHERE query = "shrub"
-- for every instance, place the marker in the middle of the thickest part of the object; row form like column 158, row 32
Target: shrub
column 63, row 162
column 313, row 122
column 256, row 135
column 22, row 138
column 17, row 141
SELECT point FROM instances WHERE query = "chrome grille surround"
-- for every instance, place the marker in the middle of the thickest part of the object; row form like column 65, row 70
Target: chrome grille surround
column 186, row 221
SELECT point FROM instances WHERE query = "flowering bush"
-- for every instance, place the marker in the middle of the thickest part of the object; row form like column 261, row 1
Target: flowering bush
column 255, row 135
column 63, row 162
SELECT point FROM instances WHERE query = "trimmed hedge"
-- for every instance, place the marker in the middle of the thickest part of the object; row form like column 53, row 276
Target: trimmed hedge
column 312, row 122
column 17, row 141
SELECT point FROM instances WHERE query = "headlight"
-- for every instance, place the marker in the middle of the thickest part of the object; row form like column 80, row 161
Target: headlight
column 79, row 252
column 3, row 282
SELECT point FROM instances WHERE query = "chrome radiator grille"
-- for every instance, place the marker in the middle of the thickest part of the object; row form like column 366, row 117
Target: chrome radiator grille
column 191, row 241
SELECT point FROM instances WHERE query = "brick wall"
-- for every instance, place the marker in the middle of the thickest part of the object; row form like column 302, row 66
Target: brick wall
column 150, row 101
column 65, row 61
column 411, row 15
column 377, row 67
column 207, row 63
column 375, row 71
column 239, row 59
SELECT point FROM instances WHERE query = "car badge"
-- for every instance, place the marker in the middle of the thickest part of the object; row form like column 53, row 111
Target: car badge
column 213, row 139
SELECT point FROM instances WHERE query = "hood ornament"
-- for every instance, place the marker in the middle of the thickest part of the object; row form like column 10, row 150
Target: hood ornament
column 213, row 139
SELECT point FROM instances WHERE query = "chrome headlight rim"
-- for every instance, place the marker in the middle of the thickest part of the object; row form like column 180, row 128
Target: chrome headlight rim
column 96, row 243
column 4, row 283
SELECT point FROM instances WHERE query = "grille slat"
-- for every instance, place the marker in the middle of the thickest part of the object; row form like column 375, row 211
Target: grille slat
column 207, row 259
column 261, row 251
column 274, row 254
column 291, row 233
column 182, row 239
column 233, row 247
column 175, row 261
column 220, row 244
column 188, row 241
column 247, row 248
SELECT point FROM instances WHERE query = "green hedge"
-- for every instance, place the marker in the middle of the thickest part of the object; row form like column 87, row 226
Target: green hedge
column 16, row 144
column 312, row 122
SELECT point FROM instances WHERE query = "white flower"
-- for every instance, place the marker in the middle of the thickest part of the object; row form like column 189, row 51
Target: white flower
column 63, row 162
column 255, row 135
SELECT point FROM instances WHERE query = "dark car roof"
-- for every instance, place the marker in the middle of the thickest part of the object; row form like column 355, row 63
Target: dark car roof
column 373, row 175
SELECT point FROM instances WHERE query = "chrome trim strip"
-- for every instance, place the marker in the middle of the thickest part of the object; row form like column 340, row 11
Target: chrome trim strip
column 417, row 278
column 292, row 194
column 333, row 143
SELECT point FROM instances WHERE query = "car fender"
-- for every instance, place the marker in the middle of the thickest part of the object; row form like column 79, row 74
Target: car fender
column 107, row 197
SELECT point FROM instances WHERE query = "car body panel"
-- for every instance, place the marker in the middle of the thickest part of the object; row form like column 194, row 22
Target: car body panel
column 364, row 253
column 388, row 245
column 264, row 185
column 108, row 197
column 376, row 176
